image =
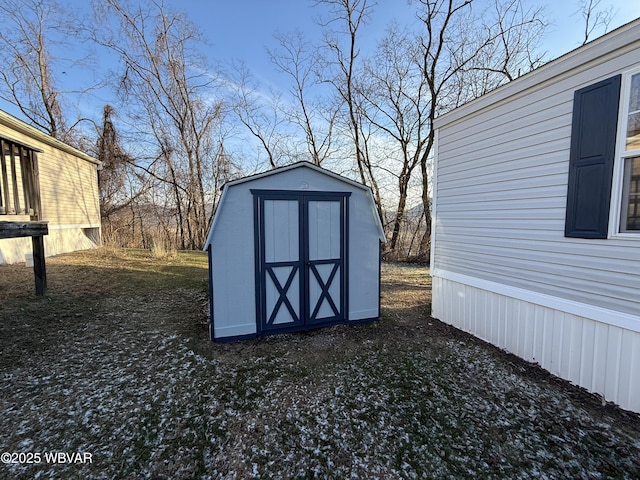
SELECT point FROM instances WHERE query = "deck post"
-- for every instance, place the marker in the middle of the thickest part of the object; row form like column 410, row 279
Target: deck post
column 39, row 267
column 35, row 230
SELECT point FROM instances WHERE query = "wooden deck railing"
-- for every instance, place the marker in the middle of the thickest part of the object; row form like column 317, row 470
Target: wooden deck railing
column 19, row 189
column 20, row 196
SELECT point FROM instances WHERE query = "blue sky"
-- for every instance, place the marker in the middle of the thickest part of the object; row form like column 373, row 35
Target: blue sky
column 244, row 29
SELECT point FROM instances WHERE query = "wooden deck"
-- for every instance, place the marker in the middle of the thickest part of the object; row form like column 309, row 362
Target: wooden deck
column 20, row 196
column 35, row 230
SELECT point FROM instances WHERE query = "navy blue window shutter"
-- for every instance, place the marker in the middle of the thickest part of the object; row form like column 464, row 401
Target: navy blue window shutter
column 593, row 143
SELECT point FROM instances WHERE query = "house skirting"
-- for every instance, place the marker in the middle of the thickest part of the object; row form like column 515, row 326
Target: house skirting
column 61, row 239
column 594, row 348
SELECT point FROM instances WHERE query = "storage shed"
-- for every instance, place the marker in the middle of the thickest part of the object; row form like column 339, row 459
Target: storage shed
column 536, row 235
column 45, row 180
column 293, row 248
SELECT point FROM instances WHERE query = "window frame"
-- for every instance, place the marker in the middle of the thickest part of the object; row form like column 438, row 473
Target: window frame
column 621, row 155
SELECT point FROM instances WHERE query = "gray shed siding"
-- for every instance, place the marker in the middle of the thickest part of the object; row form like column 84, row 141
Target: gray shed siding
column 232, row 242
column 501, row 197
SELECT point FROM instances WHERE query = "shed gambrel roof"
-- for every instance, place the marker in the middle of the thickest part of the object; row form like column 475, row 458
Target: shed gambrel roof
column 295, row 166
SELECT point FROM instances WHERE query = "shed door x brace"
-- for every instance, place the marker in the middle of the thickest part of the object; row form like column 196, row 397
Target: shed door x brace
column 301, row 259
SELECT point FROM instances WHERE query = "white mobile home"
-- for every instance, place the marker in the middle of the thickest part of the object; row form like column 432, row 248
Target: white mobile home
column 536, row 235
column 293, row 248
column 45, row 180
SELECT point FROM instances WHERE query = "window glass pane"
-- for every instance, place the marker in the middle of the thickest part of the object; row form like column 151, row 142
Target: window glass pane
column 633, row 120
column 630, row 220
column 633, row 131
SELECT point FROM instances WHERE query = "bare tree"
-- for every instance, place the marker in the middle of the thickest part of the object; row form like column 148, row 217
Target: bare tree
column 297, row 58
column 172, row 103
column 398, row 102
column 455, row 47
column 594, row 17
column 112, row 177
column 514, row 33
column 259, row 113
column 28, row 82
column 348, row 16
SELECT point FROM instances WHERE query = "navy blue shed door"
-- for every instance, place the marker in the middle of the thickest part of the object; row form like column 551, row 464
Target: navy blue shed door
column 300, row 259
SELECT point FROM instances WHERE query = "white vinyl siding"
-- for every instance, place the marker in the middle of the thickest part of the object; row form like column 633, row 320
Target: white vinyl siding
column 502, row 267
column 599, row 357
column 501, row 197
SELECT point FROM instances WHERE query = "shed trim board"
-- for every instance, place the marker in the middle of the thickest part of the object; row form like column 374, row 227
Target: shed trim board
column 507, row 263
column 290, row 249
column 294, row 166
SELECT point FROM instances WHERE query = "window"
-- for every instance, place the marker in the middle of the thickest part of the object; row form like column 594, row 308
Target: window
column 604, row 163
column 632, row 141
column 630, row 156
column 630, row 216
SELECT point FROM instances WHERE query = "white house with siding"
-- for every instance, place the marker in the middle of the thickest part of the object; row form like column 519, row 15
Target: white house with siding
column 536, row 222
column 291, row 249
column 43, row 179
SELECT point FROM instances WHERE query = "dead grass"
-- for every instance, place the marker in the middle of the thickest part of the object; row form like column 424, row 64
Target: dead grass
column 115, row 361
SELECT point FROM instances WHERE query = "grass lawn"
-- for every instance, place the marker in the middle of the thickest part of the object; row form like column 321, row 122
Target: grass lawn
column 115, row 362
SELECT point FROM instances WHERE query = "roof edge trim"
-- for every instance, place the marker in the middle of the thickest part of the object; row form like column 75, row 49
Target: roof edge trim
column 18, row 125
